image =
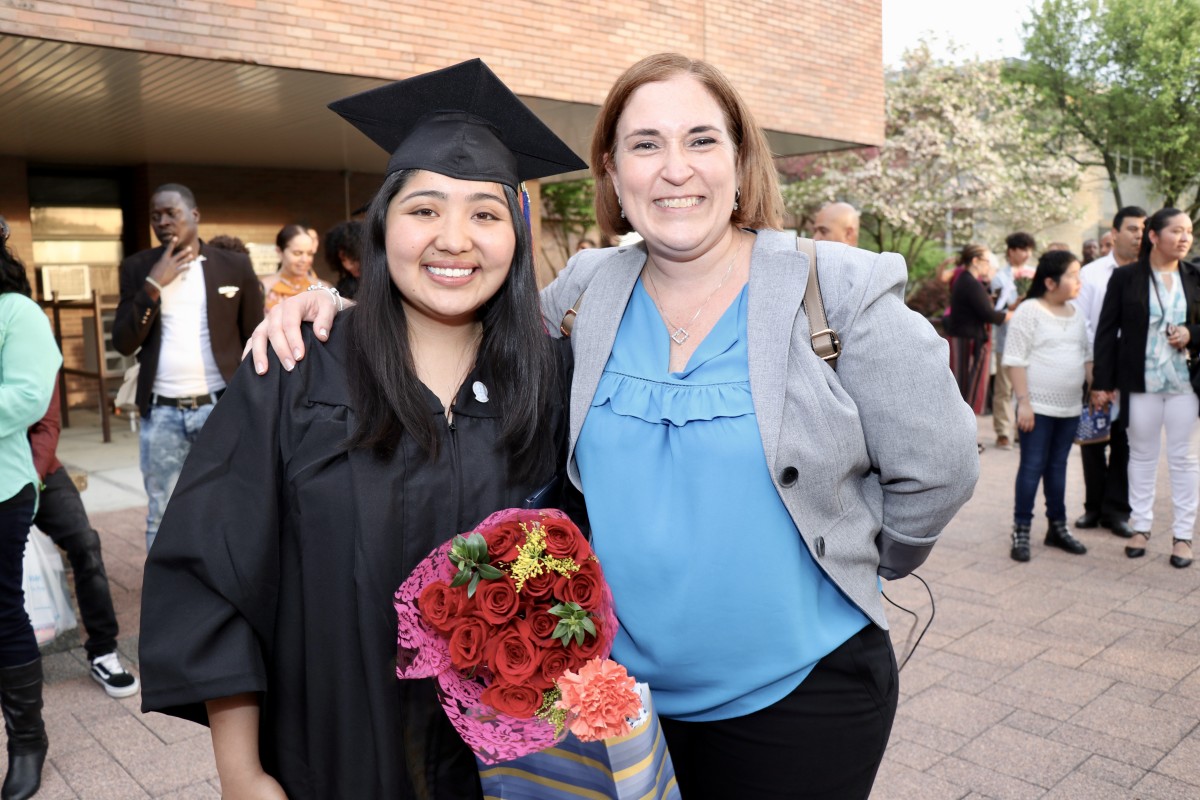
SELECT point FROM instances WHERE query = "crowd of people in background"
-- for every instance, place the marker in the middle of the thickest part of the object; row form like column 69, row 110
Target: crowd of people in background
column 1111, row 333
column 1112, row 336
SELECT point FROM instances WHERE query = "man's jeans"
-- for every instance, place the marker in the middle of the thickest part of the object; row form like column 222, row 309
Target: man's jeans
column 62, row 517
column 167, row 438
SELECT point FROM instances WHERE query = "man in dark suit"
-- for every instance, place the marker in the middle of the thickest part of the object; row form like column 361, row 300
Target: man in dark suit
column 190, row 308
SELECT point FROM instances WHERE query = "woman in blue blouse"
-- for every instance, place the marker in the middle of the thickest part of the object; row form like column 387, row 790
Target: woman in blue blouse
column 29, row 360
column 744, row 497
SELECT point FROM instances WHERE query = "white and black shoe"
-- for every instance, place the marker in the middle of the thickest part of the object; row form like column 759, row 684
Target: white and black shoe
column 109, row 672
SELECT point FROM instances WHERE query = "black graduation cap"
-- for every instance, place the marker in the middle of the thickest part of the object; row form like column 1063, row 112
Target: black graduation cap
column 461, row 121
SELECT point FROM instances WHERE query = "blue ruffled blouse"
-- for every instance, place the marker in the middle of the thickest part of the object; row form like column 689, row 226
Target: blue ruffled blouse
column 722, row 609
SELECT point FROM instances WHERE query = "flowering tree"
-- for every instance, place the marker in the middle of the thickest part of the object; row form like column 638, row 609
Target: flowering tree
column 961, row 152
column 1124, row 77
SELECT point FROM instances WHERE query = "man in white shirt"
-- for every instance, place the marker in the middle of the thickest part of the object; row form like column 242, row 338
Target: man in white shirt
column 1106, row 500
column 1018, row 250
column 189, row 308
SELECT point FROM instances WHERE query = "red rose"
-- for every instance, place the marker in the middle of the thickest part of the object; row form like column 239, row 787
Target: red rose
column 502, row 541
column 514, row 657
column 440, row 605
column 496, row 632
column 541, row 627
column 467, row 641
column 563, row 540
column 497, row 600
column 585, row 587
column 555, row 662
column 521, row 702
column 539, row 586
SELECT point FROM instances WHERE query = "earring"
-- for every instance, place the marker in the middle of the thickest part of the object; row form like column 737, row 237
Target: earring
column 737, row 196
column 620, row 206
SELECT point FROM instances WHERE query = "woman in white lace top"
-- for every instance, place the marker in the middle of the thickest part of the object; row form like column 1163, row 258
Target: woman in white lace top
column 1049, row 356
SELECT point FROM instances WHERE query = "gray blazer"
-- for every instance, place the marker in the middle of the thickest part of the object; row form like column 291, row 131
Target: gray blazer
column 873, row 460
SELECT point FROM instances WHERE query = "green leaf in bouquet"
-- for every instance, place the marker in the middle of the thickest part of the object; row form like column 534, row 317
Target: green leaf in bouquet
column 470, row 555
column 573, row 623
column 490, row 573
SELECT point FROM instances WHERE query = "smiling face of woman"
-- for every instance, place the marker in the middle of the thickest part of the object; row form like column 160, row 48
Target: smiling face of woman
column 675, row 167
column 295, row 260
column 450, row 246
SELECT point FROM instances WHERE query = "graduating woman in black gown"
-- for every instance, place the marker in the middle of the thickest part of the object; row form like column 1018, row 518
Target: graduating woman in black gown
column 311, row 494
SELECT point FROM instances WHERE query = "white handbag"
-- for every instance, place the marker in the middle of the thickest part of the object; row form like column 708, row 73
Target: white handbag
column 127, row 395
column 45, row 586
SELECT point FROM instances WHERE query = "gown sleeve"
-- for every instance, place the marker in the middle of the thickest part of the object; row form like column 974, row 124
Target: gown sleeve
column 210, row 589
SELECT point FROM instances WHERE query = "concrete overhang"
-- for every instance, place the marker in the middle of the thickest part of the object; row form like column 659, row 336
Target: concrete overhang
column 67, row 103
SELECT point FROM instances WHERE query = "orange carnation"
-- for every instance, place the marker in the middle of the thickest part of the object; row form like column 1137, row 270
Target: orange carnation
column 599, row 700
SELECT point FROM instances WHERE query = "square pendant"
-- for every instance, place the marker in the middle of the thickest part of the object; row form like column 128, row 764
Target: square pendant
column 680, row 336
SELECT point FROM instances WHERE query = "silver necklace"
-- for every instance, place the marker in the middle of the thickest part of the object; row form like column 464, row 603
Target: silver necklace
column 679, row 333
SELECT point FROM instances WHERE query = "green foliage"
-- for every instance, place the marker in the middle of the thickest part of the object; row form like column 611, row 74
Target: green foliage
column 573, row 622
column 1122, row 77
column 470, row 555
column 567, row 212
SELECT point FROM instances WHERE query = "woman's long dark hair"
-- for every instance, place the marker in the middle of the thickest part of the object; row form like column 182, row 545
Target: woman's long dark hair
column 516, row 349
column 1157, row 221
column 12, row 273
column 1053, row 265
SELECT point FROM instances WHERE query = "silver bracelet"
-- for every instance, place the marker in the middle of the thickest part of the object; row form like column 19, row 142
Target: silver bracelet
column 334, row 293
column 154, row 283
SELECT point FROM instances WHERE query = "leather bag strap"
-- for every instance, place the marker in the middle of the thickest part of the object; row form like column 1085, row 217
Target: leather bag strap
column 568, row 321
column 825, row 341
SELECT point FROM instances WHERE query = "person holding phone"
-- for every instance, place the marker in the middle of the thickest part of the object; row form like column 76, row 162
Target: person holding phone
column 1146, row 343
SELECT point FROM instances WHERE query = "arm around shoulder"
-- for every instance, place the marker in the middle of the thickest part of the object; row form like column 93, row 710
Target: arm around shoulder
column 920, row 435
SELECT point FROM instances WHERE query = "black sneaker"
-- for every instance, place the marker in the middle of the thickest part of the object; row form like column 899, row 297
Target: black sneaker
column 108, row 671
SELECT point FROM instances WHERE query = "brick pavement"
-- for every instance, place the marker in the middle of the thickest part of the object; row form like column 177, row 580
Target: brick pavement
column 1067, row 677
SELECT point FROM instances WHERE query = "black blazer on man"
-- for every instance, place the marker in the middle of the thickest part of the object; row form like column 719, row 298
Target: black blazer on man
column 1120, row 351
column 235, row 306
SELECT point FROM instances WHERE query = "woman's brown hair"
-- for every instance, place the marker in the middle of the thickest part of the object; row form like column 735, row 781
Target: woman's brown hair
column 970, row 253
column 760, row 204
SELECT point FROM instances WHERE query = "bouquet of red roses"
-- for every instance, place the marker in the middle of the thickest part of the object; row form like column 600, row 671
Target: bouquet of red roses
column 515, row 621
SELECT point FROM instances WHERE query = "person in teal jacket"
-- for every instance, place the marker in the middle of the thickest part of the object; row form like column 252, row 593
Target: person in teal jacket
column 29, row 360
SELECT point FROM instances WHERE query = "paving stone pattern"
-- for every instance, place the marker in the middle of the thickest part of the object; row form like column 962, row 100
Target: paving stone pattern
column 1069, row 677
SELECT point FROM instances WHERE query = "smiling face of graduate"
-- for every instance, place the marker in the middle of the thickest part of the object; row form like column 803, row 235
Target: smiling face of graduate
column 450, row 245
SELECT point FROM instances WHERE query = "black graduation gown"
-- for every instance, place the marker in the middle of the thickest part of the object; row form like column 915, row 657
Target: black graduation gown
column 274, row 571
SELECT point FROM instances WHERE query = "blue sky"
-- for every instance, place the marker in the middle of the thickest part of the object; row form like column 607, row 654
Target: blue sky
column 984, row 28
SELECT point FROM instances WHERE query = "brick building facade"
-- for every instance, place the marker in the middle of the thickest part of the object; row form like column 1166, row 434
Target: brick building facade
column 228, row 96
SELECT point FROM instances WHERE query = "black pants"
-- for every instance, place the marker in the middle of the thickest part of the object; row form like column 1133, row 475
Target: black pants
column 824, row 740
column 62, row 517
column 17, row 642
column 1106, row 480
